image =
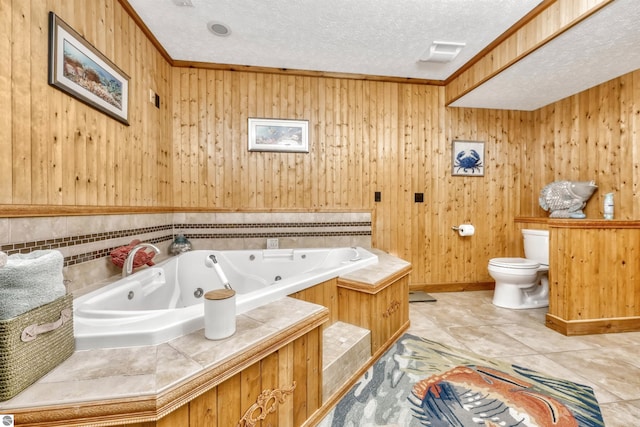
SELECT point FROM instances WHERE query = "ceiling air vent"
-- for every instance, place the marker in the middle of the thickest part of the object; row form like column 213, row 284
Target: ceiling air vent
column 442, row 52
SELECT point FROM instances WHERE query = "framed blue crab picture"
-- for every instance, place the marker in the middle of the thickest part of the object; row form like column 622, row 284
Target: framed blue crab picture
column 467, row 158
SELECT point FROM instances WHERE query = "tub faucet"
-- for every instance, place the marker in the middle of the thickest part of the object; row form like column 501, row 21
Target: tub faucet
column 127, row 268
column 358, row 257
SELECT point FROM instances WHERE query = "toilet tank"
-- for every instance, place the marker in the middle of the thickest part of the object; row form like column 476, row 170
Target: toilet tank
column 536, row 245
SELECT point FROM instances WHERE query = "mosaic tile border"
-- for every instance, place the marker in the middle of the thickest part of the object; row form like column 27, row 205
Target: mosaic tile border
column 243, row 230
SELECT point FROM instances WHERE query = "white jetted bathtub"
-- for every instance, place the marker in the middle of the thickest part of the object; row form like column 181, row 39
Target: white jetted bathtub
column 165, row 301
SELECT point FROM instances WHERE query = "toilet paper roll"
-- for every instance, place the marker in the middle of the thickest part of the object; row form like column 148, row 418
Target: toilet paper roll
column 466, row 230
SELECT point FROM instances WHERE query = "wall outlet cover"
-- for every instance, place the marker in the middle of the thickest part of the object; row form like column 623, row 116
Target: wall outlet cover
column 272, row 244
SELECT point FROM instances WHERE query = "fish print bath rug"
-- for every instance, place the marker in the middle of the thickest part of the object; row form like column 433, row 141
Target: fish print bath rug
column 419, row 382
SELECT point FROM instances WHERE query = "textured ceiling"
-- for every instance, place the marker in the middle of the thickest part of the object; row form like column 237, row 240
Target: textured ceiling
column 387, row 37
column 374, row 37
column 603, row 47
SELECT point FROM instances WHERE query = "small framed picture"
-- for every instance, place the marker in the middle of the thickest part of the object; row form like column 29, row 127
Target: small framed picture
column 467, row 158
column 279, row 135
column 80, row 70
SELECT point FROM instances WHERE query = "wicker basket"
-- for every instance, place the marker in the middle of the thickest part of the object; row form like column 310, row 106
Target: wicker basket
column 34, row 343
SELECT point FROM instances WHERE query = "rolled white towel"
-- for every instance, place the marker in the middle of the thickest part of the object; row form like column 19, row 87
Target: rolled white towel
column 3, row 259
column 30, row 280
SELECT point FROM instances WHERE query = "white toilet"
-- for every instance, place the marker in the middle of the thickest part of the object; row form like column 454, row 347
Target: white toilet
column 523, row 282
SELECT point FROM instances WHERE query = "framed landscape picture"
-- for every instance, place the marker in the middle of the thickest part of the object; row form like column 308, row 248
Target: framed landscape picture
column 279, row 135
column 80, row 70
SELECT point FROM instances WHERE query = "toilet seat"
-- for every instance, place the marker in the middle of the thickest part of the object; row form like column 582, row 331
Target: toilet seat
column 514, row 263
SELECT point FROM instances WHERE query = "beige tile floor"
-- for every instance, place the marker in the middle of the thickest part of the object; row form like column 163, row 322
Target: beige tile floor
column 608, row 363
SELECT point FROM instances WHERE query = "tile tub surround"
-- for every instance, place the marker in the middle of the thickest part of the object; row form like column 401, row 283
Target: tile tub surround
column 608, row 363
column 150, row 381
column 86, row 241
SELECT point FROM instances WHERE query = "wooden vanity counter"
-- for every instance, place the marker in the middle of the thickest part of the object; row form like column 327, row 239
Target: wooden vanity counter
column 594, row 275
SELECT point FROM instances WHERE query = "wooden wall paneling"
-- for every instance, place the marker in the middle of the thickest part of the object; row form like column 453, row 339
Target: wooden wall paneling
column 341, row 175
column 237, row 195
column 202, row 410
column 127, row 151
column 394, row 167
column 136, row 111
column 370, row 110
column 354, row 146
column 217, row 157
column 328, row 181
column 434, row 152
column 230, row 409
column 177, row 418
column 524, row 196
column 314, row 380
column 202, row 138
column 301, row 377
column 61, row 149
column 269, row 380
column 6, row 103
column 594, row 278
column 151, row 135
column 80, row 157
column 406, row 151
column 165, row 196
column 21, row 102
column 611, row 118
column 252, row 160
column 115, row 158
column 69, row 127
column 250, row 386
column 193, row 165
column 295, row 169
column 626, row 146
column 312, row 113
column 361, row 149
column 634, row 134
column 384, row 153
column 53, row 133
column 257, row 103
column 245, row 186
column 416, row 239
column 39, row 135
column 285, row 379
column 609, row 300
column 560, row 272
column 95, row 32
column 631, row 296
column 177, row 102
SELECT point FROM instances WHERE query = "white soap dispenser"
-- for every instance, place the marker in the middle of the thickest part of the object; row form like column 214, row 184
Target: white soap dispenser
column 608, row 206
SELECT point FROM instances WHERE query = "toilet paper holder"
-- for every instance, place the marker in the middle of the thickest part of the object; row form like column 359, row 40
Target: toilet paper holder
column 464, row 230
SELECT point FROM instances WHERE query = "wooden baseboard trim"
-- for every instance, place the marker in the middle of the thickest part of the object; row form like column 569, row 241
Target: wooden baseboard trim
column 593, row 326
column 452, row 287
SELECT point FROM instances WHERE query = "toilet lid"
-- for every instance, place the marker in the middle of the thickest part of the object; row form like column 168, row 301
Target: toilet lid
column 514, row 263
